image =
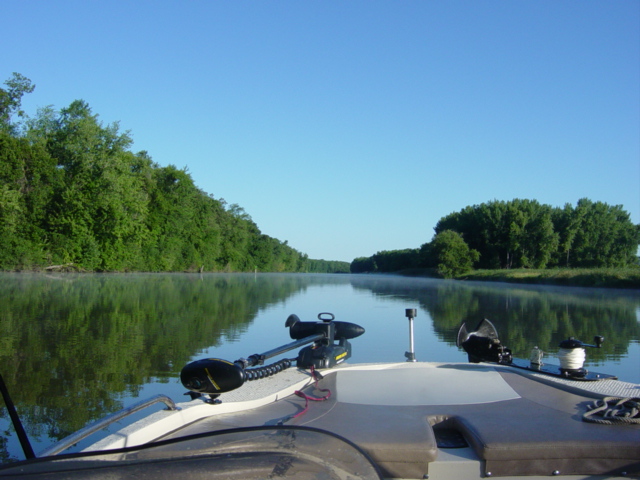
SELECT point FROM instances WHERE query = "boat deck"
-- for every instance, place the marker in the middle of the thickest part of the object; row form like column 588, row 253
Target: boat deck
column 514, row 422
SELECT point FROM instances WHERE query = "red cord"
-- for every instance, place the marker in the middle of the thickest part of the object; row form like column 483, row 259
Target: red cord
column 308, row 398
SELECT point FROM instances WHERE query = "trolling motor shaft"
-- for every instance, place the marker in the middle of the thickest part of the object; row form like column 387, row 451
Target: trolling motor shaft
column 214, row 376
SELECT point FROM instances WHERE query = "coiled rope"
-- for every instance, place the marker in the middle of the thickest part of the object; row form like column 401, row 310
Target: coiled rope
column 571, row 358
column 614, row 411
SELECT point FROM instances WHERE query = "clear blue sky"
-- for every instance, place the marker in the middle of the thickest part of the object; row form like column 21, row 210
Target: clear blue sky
column 350, row 127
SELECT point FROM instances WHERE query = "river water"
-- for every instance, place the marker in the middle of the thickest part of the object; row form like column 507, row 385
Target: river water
column 74, row 348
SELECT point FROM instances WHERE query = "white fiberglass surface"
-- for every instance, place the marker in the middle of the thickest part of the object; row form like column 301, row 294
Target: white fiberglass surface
column 420, row 384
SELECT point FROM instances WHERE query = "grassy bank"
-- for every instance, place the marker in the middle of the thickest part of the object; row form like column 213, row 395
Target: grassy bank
column 577, row 277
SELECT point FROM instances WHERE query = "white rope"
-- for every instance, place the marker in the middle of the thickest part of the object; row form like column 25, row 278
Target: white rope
column 571, row 358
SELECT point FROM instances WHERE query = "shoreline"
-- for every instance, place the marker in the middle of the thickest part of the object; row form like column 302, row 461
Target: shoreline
column 614, row 278
column 622, row 278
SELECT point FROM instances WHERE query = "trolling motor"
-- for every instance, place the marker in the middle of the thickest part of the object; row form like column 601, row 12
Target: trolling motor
column 214, row 376
column 483, row 345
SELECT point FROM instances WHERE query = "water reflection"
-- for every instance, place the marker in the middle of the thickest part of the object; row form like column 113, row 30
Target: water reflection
column 74, row 348
column 525, row 316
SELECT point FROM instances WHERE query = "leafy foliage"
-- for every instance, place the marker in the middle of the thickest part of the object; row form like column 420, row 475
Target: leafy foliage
column 512, row 234
column 594, row 234
column 521, row 234
column 327, row 266
column 386, row 261
column 73, row 195
column 451, row 254
column 526, row 234
column 11, row 100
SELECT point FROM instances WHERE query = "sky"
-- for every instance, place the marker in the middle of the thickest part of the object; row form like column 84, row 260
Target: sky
column 352, row 127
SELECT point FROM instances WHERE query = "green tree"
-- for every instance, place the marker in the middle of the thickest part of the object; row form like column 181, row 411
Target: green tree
column 451, row 254
column 100, row 208
column 363, row 265
column 27, row 179
column 11, row 100
column 513, row 234
column 600, row 235
column 326, row 266
column 395, row 260
column 485, row 229
column 72, row 192
column 531, row 238
column 238, row 230
column 566, row 222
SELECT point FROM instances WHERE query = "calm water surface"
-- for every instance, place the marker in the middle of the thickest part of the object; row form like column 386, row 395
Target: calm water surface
column 74, row 348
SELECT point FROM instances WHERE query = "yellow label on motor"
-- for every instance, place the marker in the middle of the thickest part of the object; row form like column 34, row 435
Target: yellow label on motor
column 215, row 385
column 342, row 355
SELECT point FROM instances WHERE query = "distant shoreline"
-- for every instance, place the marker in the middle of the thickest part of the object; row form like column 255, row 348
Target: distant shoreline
column 621, row 278
column 627, row 278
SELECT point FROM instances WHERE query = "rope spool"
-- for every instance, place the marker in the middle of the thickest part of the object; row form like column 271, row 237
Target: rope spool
column 571, row 358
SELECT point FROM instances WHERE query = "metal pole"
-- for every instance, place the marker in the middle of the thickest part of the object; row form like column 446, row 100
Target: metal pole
column 258, row 358
column 105, row 422
column 411, row 313
column 15, row 419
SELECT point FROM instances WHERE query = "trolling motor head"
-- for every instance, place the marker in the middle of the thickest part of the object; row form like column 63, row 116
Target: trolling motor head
column 325, row 353
column 483, row 344
column 214, row 376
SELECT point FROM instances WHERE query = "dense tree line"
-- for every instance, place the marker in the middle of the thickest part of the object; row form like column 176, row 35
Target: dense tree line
column 387, row 261
column 519, row 234
column 73, row 194
column 327, row 266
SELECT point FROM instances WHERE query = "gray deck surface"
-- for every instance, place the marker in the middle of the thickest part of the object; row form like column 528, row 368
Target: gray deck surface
column 514, row 424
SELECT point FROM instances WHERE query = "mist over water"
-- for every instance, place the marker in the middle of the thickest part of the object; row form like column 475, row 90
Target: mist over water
column 74, row 348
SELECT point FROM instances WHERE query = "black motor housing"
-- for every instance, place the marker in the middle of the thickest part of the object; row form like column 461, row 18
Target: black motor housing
column 483, row 345
column 324, row 356
column 326, row 326
column 324, row 353
column 212, row 376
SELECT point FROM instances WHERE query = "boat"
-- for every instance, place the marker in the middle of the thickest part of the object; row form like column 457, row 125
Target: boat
column 319, row 416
